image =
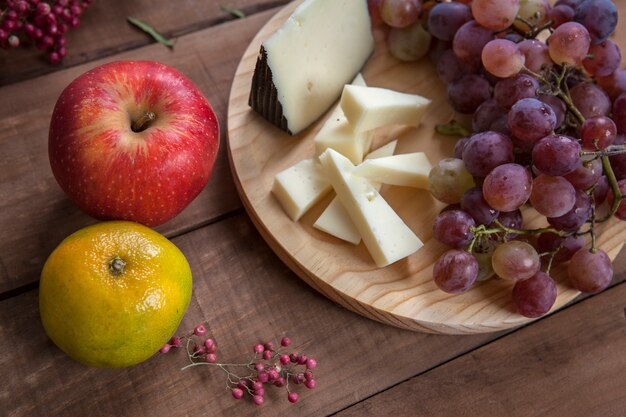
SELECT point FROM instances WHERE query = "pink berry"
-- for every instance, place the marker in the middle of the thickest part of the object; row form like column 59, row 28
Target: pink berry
column 269, row 346
column 297, row 378
column 267, row 355
column 242, row 385
column 285, row 341
column 259, row 367
column 272, row 374
column 176, row 342
column 311, row 363
column 257, row 385
column 200, row 330
column 292, row 397
column 280, row 382
column 258, row 348
column 258, row 400
column 166, row 348
column 293, row 357
column 302, row 359
column 210, row 345
column 14, row 41
column 260, row 391
column 43, row 8
column 199, row 350
column 284, row 359
column 310, row 384
column 211, row 358
column 263, row 377
column 237, row 393
column 308, row 375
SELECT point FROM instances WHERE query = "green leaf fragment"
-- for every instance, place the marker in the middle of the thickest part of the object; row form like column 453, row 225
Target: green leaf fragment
column 151, row 31
column 235, row 12
column 453, row 128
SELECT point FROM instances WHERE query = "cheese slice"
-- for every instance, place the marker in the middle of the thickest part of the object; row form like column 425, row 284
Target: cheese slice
column 368, row 108
column 298, row 188
column 337, row 133
column 335, row 220
column 410, row 170
column 387, row 238
column 303, row 66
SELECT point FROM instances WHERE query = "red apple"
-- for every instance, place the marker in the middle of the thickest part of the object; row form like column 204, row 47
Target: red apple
column 133, row 140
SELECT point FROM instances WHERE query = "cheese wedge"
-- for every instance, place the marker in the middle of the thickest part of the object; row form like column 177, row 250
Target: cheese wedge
column 387, row 238
column 409, row 170
column 368, row 108
column 335, row 220
column 298, row 188
column 337, row 133
column 303, row 66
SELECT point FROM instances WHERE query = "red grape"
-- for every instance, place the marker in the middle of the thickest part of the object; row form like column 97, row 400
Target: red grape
column 495, row 14
column 603, row 59
column 530, row 120
column 535, row 296
column 515, row 261
column 400, row 13
column 552, row 196
column 590, row 100
column 502, row 58
column 590, row 272
column 535, row 53
column 486, row 114
column 598, row 132
column 470, row 39
column 474, row 204
column 561, row 14
column 485, row 151
column 509, row 91
column 548, row 242
column 469, row 92
column 452, row 228
column 586, row 174
column 556, row 155
column 569, row 44
column 455, row 271
column 507, row 187
column 576, row 217
column 445, row 19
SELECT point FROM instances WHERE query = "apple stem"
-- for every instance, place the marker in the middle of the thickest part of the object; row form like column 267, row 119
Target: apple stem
column 116, row 266
column 143, row 122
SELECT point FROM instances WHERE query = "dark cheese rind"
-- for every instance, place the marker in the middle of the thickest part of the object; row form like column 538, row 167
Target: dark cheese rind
column 264, row 95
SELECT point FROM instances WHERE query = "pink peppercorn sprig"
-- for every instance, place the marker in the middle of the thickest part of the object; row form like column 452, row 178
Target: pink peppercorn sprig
column 39, row 22
column 269, row 367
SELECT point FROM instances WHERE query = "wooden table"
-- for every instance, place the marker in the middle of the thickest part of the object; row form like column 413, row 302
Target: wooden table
column 572, row 363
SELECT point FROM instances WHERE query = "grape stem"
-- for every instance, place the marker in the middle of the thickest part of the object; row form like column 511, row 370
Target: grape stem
column 533, row 30
column 608, row 151
column 617, row 194
column 482, row 230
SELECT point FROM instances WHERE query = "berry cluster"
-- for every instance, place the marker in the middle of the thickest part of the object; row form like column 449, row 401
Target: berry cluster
column 548, row 100
column 43, row 23
column 268, row 366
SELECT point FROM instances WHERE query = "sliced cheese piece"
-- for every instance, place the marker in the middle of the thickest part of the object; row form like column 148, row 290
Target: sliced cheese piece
column 410, row 170
column 335, row 220
column 298, row 188
column 368, row 108
column 336, row 133
column 303, row 66
column 383, row 151
column 387, row 238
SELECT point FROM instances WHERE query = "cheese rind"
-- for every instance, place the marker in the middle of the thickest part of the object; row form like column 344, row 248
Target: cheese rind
column 368, row 108
column 335, row 220
column 304, row 65
column 387, row 238
column 409, row 170
column 299, row 187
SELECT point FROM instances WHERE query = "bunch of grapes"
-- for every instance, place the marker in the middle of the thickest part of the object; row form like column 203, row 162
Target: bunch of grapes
column 548, row 99
column 43, row 23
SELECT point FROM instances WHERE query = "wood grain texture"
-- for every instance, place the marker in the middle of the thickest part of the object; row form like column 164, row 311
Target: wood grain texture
column 541, row 370
column 246, row 295
column 104, row 31
column 36, row 214
column 404, row 293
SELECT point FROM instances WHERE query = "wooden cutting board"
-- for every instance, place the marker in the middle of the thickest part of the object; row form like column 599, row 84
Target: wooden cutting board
column 402, row 294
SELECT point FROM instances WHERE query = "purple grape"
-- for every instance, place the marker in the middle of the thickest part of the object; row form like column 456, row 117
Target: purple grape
column 576, row 217
column 486, row 150
column 507, row 187
column 619, row 113
column 590, row 272
column 601, row 191
column 561, row 14
column 558, row 107
column 437, row 48
column 455, row 271
column 535, row 296
column 485, row 115
column 599, row 17
column 614, row 84
column 474, row 204
column 552, row 196
column 598, row 132
column 547, row 242
column 470, row 39
column 469, row 92
column 590, row 100
column 603, row 59
column 586, row 174
column 459, row 146
column 445, row 19
column 450, row 68
column 556, row 155
column 452, row 228
column 511, row 90
column 530, row 120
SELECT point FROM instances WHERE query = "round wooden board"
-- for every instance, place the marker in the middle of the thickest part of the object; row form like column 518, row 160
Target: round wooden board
column 402, row 294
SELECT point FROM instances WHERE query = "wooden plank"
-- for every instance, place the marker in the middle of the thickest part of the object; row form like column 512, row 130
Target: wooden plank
column 36, row 215
column 104, row 31
column 569, row 364
column 246, row 295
